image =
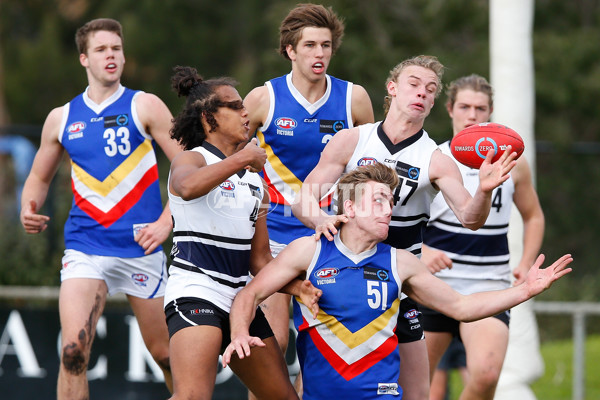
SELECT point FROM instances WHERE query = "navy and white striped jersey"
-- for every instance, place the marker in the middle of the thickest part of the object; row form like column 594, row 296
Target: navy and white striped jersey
column 412, row 198
column 212, row 236
column 480, row 259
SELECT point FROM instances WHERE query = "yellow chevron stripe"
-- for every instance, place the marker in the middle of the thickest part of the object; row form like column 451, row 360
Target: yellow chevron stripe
column 357, row 338
column 283, row 172
column 111, row 181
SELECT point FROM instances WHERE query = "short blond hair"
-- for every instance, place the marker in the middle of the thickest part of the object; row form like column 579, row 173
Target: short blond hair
column 429, row 62
column 351, row 184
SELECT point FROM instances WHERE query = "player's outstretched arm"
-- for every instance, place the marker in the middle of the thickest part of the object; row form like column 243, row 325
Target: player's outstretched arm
column 471, row 211
column 432, row 292
column 288, row 265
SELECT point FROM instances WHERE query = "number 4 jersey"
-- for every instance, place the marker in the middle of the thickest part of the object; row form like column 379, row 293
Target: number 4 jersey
column 480, row 259
column 114, row 175
column 350, row 349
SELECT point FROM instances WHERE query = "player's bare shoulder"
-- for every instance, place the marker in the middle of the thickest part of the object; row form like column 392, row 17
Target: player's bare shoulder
column 51, row 128
column 408, row 264
column 362, row 108
column 257, row 102
column 342, row 145
column 442, row 166
column 151, row 109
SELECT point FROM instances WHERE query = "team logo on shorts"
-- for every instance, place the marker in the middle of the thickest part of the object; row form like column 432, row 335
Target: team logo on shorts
column 140, row 279
column 411, row 314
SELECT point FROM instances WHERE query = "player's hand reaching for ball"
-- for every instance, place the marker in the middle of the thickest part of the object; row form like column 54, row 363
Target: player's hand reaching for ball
column 492, row 175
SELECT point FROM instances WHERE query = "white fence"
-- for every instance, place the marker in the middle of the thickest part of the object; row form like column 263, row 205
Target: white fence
column 579, row 311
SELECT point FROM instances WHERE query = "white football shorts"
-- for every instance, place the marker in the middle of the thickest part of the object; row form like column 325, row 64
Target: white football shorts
column 144, row 277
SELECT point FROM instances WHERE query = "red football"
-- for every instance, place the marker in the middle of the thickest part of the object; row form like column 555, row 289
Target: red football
column 471, row 145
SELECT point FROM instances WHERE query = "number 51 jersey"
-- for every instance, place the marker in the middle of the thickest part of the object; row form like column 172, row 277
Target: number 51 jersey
column 114, row 175
column 350, row 348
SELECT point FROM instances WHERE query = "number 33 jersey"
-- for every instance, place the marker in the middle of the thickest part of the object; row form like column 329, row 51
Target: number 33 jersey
column 114, row 175
column 350, row 348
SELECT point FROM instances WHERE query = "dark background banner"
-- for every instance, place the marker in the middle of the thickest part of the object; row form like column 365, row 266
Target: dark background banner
column 120, row 367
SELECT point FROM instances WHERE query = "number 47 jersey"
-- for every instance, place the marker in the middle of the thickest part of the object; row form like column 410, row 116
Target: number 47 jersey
column 350, row 349
column 114, row 175
column 410, row 158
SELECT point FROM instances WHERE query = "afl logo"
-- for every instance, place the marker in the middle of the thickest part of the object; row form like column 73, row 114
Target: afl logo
column 76, row 127
column 327, row 273
column 139, row 278
column 286, row 123
column 366, row 161
column 227, row 185
column 411, row 314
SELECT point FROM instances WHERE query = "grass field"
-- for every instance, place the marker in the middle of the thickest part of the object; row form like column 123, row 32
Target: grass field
column 557, row 383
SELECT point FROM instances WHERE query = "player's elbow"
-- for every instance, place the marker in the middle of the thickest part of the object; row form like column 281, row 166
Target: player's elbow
column 473, row 224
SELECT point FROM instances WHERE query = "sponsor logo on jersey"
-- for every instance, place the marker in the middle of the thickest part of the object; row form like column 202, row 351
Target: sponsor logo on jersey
column 375, row 274
column 331, row 126
column 412, row 314
column 116, row 120
column 310, row 120
column 255, row 190
column 366, row 161
column 407, row 171
column 482, row 148
column 139, row 279
column 286, row 123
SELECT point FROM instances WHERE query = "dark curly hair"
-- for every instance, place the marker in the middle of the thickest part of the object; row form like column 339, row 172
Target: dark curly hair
column 201, row 101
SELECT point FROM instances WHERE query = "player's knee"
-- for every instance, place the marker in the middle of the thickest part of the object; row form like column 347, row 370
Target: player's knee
column 283, row 343
column 486, row 379
column 163, row 363
column 160, row 354
column 74, row 358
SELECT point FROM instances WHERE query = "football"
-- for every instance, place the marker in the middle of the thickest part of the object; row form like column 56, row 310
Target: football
column 471, row 145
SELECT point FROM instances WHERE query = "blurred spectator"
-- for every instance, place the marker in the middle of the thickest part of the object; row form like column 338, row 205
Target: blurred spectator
column 22, row 152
